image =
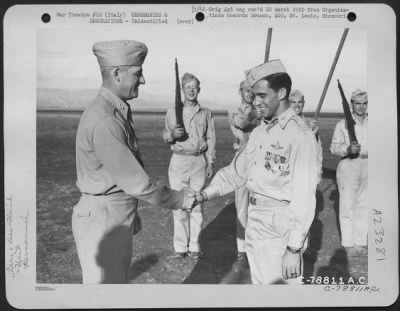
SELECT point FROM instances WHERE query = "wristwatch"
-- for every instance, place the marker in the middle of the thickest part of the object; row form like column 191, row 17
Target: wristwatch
column 293, row 250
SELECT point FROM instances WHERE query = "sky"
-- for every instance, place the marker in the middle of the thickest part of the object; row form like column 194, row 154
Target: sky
column 218, row 54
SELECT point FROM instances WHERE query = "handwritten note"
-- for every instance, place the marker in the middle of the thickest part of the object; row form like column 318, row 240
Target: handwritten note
column 17, row 242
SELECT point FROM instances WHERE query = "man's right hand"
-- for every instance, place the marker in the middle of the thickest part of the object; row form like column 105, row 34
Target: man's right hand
column 200, row 197
column 178, row 132
column 354, row 148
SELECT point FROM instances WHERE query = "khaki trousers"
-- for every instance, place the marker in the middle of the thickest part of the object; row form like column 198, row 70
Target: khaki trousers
column 267, row 235
column 187, row 171
column 242, row 205
column 103, row 227
column 352, row 180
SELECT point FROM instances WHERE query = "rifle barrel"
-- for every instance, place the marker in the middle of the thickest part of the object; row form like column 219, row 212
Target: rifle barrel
column 328, row 80
column 268, row 45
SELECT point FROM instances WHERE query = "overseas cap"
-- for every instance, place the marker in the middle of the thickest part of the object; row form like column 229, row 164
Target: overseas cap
column 120, row 53
column 259, row 72
column 187, row 77
column 296, row 94
column 244, row 84
column 359, row 96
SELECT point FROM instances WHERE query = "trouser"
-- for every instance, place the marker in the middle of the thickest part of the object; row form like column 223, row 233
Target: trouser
column 187, row 171
column 267, row 235
column 352, row 179
column 103, row 227
column 242, row 204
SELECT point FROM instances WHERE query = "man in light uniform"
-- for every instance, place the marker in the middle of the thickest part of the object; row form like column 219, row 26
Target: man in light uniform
column 110, row 173
column 191, row 163
column 242, row 121
column 279, row 167
column 352, row 177
column 296, row 101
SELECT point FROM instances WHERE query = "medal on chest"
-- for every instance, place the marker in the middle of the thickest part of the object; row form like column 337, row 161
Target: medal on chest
column 276, row 160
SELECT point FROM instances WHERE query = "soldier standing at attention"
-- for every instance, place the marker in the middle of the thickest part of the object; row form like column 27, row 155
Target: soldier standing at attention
column 296, row 100
column 110, row 171
column 279, row 167
column 242, row 121
column 191, row 163
column 352, row 177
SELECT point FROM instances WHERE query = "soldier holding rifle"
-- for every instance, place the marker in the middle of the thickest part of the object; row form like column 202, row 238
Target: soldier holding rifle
column 279, row 167
column 350, row 142
column 297, row 101
column 193, row 154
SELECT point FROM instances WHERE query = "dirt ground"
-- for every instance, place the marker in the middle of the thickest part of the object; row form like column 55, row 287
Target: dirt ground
column 152, row 260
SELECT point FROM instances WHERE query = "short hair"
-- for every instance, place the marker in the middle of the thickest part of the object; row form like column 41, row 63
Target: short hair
column 296, row 94
column 280, row 80
column 106, row 70
column 187, row 77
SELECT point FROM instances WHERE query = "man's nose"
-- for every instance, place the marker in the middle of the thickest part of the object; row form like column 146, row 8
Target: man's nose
column 142, row 80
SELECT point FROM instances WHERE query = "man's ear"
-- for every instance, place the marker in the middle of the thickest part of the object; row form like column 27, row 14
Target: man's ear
column 116, row 74
column 282, row 93
column 199, row 89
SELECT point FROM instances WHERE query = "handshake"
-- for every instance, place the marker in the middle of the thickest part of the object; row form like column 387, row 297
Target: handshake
column 191, row 198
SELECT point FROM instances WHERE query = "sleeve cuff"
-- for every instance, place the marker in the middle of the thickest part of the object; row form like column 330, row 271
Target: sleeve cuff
column 211, row 191
column 169, row 138
column 296, row 239
column 210, row 160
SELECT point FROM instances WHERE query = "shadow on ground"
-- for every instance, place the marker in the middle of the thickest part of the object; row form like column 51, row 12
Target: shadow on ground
column 314, row 238
column 218, row 242
column 142, row 265
column 337, row 269
column 317, row 229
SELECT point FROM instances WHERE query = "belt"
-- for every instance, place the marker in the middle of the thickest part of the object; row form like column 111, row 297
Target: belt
column 268, row 202
column 102, row 194
column 361, row 156
column 187, row 153
column 105, row 193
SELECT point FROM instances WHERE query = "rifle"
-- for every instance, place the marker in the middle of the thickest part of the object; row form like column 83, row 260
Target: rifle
column 328, row 79
column 349, row 119
column 268, row 45
column 178, row 102
column 266, row 55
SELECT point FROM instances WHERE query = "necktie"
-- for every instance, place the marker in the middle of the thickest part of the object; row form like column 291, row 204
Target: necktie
column 136, row 150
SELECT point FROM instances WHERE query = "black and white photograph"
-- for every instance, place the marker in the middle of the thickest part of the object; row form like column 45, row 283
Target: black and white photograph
column 206, row 145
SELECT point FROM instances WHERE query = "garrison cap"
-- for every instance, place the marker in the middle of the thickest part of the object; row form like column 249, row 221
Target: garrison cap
column 296, row 94
column 187, row 77
column 359, row 96
column 244, row 84
column 259, row 72
column 120, row 53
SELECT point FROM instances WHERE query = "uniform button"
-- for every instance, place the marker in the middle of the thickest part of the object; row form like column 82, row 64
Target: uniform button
column 255, row 163
column 251, row 179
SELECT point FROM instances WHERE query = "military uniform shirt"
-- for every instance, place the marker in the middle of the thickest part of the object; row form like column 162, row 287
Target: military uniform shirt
column 199, row 125
column 107, row 156
column 319, row 148
column 341, row 140
column 279, row 162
